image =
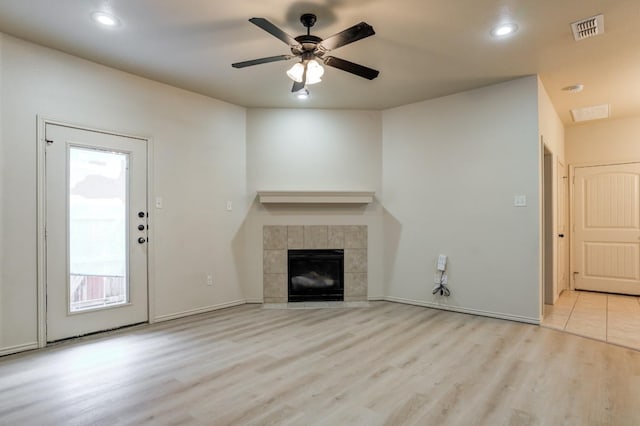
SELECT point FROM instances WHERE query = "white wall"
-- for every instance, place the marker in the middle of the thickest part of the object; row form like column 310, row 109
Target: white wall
column 318, row 150
column 451, row 167
column 612, row 141
column 199, row 163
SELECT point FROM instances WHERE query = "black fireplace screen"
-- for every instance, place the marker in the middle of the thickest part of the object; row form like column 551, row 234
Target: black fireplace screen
column 316, row 275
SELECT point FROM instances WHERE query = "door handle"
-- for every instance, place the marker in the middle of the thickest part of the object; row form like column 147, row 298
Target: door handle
column 141, row 240
column 561, row 235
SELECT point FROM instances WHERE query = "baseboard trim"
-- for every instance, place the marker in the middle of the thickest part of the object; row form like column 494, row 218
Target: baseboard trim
column 206, row 309
column 375, row 298
column 517, row 318
column 18, row 348
column 253, row 301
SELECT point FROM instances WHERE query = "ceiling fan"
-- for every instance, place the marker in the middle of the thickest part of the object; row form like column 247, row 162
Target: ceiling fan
column 308, row 48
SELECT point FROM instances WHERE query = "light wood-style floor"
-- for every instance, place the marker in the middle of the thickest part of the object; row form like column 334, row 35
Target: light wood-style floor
column 608, row 317
column 388, row 364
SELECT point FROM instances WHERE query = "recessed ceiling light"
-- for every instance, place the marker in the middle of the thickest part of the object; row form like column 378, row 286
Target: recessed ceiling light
column 105, row 19
column 302, row 94
column 504, row 30
column 574, row 88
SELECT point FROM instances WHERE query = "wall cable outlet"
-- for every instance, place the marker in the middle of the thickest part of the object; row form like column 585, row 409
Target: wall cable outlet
column 440, row 278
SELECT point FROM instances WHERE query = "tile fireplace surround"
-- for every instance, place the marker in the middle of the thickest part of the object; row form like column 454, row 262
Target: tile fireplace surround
column 276, row 240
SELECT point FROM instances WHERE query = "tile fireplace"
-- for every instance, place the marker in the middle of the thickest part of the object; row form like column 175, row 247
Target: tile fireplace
column 349, row 242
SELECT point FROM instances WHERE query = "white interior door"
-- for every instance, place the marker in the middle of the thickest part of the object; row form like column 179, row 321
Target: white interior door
column 606, row 241
column 563, row 234
column 96, row 231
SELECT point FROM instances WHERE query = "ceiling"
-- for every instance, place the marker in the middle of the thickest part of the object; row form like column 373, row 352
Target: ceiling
column 423, row 48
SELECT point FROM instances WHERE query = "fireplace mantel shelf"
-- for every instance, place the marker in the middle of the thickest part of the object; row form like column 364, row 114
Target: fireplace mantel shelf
column 316, row 197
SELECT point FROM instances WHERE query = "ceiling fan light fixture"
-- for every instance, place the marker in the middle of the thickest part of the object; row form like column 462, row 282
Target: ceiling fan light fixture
column 295, row 72
column 314, row 72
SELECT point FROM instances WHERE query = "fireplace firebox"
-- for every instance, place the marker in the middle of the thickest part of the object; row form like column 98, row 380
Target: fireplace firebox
column 315, row 275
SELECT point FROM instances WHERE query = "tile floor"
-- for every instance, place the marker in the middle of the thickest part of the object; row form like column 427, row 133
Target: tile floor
column 608, row 317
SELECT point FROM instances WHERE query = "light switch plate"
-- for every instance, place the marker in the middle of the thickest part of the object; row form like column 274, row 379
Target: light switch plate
column 519, row 200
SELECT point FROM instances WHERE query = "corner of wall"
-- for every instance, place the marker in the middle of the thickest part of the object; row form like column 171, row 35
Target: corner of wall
column 549, row 124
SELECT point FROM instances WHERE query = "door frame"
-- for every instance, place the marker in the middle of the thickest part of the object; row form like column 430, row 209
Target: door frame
column 548, row 234
column 572, row 180
column 563, row 179
column 41, row 267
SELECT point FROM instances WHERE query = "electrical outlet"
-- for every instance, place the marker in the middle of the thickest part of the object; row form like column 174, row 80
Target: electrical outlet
column 445, row 278
column 436, row 278
column 229, row 206
column 209, row 280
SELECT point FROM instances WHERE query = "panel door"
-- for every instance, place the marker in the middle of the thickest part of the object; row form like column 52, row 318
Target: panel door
column 607, row 228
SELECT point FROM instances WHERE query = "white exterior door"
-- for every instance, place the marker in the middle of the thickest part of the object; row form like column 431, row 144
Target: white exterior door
column 96, row 231
column 606, row 241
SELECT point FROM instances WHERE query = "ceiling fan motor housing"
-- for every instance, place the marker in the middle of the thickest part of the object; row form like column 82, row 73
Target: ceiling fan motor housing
column 308, row 20
column 308, row 43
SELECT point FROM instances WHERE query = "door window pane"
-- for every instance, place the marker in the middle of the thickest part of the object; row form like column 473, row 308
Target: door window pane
column 97, row 228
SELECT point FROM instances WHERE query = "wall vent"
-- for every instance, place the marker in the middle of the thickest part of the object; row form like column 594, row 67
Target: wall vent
column 589, row 27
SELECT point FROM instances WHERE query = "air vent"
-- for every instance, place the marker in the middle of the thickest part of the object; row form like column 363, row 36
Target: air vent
column 595, row 112
column 588, row 27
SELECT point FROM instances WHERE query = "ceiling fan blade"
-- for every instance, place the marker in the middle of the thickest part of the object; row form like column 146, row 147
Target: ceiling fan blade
column 274, row 31
column 355, row 33
column 359, row 70
column 297, row 86
column 262, row 61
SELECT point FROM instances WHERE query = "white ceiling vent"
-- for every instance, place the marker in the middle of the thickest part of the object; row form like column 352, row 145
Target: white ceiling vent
column 595, row 112
column 589, row 27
